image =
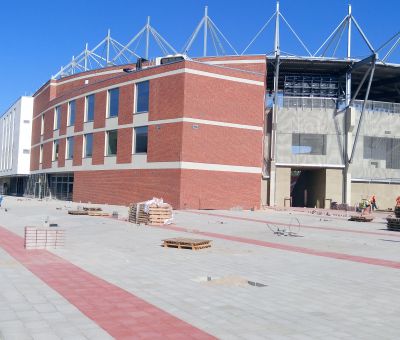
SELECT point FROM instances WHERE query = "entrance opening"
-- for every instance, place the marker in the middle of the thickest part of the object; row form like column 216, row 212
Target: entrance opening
column 308, row 188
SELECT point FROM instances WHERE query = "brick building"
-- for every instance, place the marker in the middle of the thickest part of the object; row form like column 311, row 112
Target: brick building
column 190, row 132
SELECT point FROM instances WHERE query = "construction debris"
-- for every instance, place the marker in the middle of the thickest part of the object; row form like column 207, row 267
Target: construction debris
column 361, row 218
column 78, row 212
column 393, row 223
column 186, row 243
column 92, row 209
column 152, row 212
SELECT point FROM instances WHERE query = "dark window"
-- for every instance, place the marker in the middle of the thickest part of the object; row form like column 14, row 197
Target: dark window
column 70, row 147
column 382, row 148
column 88, row 145
column 113, row 98
column 89, row 108
column 55, row 150
column 57, row 118
column 308, row 144
column 141, row 139
column 375, row 148
column 71, row 113
column 142, row 97
column 112, row 142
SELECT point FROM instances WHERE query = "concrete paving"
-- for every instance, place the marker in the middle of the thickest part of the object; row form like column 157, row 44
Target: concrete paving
column 307, row 295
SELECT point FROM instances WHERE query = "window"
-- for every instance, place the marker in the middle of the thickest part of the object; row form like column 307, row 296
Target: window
column 142, row 97
column 71, row 113
column 42, row 125
column 112, row 141
column 89, row 108
column 382, row 148
column 57, row 117
column 141, row 139
column 375, row 148
column 308, row 144
column 41, row 154
column 113, row 98
column 55, row 150
column 88, row 142
column 70, row 148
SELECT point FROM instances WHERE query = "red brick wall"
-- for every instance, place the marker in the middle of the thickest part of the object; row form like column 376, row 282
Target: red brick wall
column 47, row 155
column 100, row 104
column 124, row 146
column 164, row 143
column 221, row 145
column 79, row 114
column 219, row 190
column 222, row 100
column 98, row 147
column 61, row 152
column 126, row 186
column 167, row 97
column 78, row 144
column 184, row 189
column 125, row 114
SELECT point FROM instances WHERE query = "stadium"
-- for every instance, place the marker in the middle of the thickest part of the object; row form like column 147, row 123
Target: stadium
column 222, row 130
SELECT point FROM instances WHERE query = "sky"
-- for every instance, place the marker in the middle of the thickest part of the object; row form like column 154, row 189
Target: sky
column 38, row 37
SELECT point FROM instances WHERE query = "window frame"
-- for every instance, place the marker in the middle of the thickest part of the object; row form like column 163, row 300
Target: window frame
column 135, row 152
column 87, row 107
column 107, row 140
column 84, row 148
column 136, row 111
column 69, row 122
column 109, row 91
column 57, row 118
column 68, row 148
column 56, row 143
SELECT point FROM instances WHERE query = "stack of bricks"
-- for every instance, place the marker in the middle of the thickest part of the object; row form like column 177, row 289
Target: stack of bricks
column 44, row 238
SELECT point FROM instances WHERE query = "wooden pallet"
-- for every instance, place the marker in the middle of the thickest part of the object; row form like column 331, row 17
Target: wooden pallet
column 186, row 243
column 92, row 209
column 359, row 218
column 155, row 216
column 78, row 212
column 98, row 213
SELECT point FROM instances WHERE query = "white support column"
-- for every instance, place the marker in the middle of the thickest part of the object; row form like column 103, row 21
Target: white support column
column 108, row 47
column 86, row 56
column 147, row 38
column 272, row 172
column 205, row 30
column 348, row 119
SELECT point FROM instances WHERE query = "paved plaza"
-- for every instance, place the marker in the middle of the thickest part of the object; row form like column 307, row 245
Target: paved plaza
column 268, row 275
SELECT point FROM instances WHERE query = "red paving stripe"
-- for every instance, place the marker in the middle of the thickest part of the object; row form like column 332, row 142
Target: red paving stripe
column 280, row 246
column 122, row 314
column 355, row 231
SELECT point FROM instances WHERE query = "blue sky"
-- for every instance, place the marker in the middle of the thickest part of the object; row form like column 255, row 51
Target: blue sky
column 40, row 36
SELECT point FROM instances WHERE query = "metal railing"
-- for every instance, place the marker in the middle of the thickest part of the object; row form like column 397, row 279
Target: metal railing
column 331, row 103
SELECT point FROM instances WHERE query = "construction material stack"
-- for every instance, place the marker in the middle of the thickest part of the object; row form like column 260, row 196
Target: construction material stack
column 393, row 223
column 152, row 212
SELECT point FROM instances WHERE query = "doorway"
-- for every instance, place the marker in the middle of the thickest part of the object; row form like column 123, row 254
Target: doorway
column 308, row 187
